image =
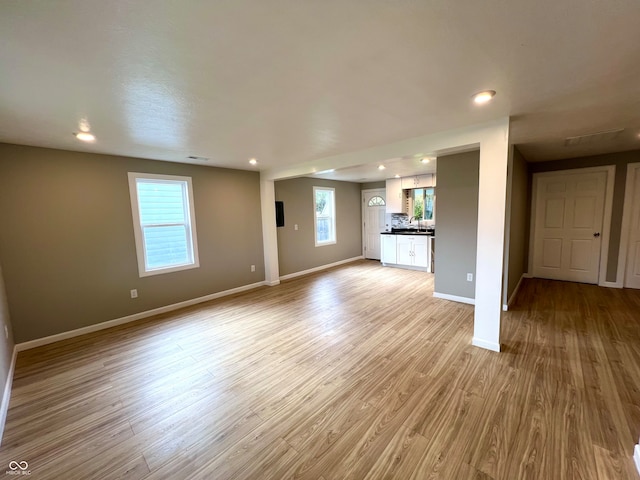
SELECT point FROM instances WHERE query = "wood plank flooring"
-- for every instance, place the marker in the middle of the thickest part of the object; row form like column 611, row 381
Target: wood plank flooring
column 352, row 373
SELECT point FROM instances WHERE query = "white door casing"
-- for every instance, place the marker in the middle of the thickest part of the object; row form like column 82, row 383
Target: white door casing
column 568, row 225
column 373, row 218
column 631, row 227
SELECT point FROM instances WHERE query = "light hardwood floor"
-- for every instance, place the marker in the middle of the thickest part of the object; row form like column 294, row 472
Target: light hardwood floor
column 352, row 373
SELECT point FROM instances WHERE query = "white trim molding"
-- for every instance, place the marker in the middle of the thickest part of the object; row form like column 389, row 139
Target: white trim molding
column 477, row 342
column 189, row 223
column 626, row 224
column 455, row 298
column 131, row 318
column 332, row 217
column 321, row 267
column 506, row 306
column 611, row 284
column 6, row 397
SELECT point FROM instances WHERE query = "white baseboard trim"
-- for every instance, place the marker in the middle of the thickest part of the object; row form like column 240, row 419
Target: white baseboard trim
column 477, row 342
column 455, row 298
column 321, row 267
column 636, row 457
column 506, row 306
column 6, row 397
column 611, row 284
column 131, row 318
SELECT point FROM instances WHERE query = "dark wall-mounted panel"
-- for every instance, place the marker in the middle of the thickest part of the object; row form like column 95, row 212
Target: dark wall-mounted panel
column 279, row 214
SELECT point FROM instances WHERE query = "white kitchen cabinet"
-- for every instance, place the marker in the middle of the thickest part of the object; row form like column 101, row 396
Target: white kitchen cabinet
column 405, row 248
column 414, row 250
column 424, row 181
column 394, row 195
column 388, row 249
column 418, row 181
column 408, row 182
column 421, row 251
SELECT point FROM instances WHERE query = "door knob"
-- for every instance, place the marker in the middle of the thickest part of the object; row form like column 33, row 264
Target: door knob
column 597, row 234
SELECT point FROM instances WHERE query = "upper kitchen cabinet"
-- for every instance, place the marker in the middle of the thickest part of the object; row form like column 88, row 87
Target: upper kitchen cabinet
column 419, row 181
column 394, row 195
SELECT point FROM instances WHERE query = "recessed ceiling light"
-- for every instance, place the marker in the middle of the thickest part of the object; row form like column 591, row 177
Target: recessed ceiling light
column 253, row 161
column 85, row 136
column 424, row 160
column 381, row 167
column 484, row 96
column 397, row 176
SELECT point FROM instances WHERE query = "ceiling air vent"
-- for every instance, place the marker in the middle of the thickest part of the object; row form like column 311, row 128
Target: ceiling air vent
column 592, row 138
column 194, row 157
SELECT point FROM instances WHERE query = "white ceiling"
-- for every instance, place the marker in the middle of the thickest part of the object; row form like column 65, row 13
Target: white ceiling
column 290, row 81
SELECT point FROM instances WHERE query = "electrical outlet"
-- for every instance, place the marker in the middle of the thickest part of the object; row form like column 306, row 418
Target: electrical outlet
column 134, row 293
column 295, row 227
column 469, row 277
column 253, row 268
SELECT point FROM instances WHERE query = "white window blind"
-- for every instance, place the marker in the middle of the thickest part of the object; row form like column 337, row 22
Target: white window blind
column 164, row 223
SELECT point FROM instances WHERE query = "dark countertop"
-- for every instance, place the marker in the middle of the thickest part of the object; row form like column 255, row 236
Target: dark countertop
column 427, row 234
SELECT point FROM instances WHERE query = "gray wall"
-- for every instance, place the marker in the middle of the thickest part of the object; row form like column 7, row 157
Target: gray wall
column 516, row 256
column 372, row 185
column 296, row 249
column 456, row 223
column 6, row 344
column 67, row 244
column 620, row 160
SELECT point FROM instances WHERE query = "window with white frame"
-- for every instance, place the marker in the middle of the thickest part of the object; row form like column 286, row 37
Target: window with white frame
column 163, row 223
column 324, row 201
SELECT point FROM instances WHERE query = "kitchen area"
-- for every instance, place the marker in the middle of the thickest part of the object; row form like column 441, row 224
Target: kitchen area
column 408, row 239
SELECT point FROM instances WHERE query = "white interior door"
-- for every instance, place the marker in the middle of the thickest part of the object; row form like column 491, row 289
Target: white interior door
column 632, row 276
column 373, row 210
column 568, row 226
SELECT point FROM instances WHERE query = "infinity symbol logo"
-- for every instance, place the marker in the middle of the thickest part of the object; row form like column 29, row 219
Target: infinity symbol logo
column 13, row 465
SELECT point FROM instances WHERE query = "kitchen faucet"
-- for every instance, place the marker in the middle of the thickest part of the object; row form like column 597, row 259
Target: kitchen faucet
column 416, row 218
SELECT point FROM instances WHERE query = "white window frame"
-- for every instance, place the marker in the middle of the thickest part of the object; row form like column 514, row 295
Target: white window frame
column 333, row 240
column 190, row 223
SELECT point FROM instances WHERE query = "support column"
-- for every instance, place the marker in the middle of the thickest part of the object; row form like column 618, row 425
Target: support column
column 269, row 232
column 494, row 157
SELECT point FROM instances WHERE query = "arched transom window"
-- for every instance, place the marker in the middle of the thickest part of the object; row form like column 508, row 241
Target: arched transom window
column 376, row 201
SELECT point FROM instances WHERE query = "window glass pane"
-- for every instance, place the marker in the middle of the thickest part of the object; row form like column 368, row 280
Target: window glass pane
column 323, row 229
column 376, row 201
column 321, row 201
column 325, row 215
column 418, row 203
column 428, row 204
column 161, row 202
column 166, row 246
